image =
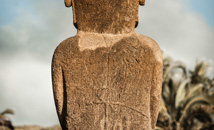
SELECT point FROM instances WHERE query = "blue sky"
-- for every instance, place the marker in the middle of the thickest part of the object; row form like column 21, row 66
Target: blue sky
column 8, row 9
column 203, row 7
column 30, row 30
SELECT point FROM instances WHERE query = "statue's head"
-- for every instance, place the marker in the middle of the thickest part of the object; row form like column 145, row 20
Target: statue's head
column 105, row 16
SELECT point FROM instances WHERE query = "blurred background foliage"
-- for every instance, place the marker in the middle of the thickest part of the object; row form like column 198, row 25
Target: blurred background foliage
column 187, row 101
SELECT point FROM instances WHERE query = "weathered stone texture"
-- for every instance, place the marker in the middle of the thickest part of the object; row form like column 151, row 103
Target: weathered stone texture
column 108, row 87
column 106, row 16
column 107, row 77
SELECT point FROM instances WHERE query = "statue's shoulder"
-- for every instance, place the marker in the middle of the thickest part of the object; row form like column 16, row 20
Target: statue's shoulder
column 66, row 49
column 152, row 45
column 68, row 45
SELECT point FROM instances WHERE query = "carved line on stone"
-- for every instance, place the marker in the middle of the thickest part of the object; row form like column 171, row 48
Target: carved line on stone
column 107, row 75
column 121, row 104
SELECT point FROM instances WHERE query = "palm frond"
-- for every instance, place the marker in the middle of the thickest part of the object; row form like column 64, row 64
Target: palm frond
column 7, row 111
column 181, row 92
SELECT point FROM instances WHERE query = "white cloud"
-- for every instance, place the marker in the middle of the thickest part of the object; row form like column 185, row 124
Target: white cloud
column 26, row 87
column 27, row 45
column 37, row 31
column 181, row 33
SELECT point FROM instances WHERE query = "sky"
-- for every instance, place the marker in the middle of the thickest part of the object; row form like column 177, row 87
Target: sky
column 31, row 30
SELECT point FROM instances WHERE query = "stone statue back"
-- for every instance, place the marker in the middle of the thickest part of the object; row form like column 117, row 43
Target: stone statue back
column 107, row 79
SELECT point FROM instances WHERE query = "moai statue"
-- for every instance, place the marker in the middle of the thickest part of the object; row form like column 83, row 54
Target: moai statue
column 107, row 77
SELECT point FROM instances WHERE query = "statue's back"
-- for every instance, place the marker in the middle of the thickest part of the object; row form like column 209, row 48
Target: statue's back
column 108, row 88
column 107, row 77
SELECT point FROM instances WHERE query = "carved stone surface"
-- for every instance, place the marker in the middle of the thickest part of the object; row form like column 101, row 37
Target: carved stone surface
column 107, row 77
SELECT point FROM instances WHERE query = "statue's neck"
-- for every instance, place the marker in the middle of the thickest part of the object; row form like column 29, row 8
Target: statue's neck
column 91, row 40
column 106, row 27
column 109, row 35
